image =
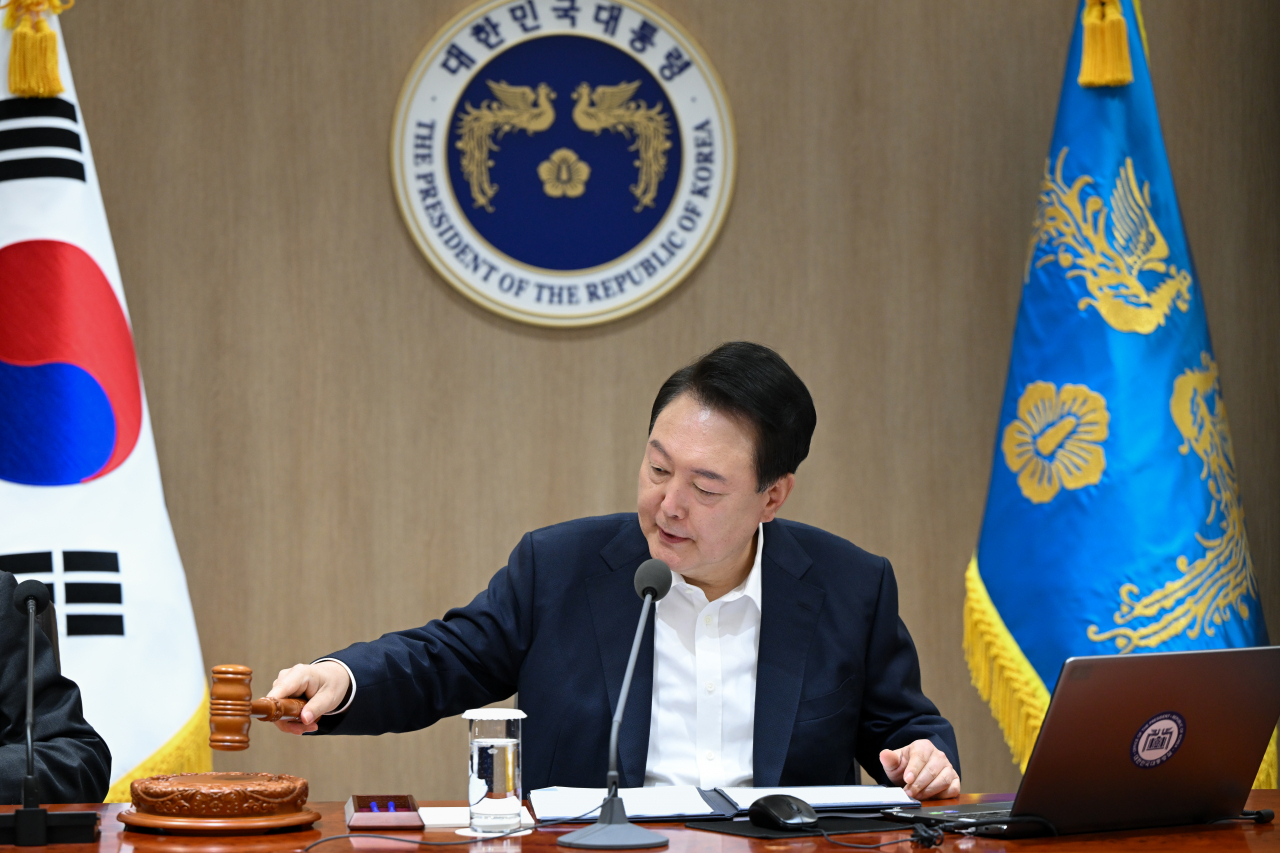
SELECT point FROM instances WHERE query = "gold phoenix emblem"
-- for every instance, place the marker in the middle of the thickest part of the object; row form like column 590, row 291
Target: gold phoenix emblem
column 517, row 108
column 1110, row 264
column 1208, row 589
column 1056, row 440
column 611, row 108
column 563, row 174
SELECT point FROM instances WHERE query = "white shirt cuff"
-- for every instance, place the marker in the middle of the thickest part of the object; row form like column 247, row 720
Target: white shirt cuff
column 350, row 696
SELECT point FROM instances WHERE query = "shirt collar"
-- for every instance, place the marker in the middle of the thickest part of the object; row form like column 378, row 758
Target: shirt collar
column 749, row 588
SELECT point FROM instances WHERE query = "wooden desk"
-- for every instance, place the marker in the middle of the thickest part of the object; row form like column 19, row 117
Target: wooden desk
column 1223, row 837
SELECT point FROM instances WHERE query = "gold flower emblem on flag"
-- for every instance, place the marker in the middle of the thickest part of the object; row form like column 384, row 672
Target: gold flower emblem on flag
column 563, row 175
column 1056, row 440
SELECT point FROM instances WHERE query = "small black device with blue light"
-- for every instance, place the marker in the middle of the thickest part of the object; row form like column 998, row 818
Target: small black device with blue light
column 385, row 811
column 1137, row 741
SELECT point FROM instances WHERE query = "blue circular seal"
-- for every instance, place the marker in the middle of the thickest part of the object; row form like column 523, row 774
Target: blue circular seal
column 563, row 163
column 555, row 231
column 1158, row 739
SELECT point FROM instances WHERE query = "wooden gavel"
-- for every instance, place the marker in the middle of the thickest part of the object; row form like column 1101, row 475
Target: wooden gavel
column 230, row 710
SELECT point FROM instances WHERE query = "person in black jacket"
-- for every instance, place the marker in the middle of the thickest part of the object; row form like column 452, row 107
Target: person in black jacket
column 73, row 764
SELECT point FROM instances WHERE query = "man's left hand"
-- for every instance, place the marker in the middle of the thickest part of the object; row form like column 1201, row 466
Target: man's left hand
column 923, row 770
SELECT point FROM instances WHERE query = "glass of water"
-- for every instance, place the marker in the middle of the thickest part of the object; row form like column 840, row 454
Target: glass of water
column 493, row 784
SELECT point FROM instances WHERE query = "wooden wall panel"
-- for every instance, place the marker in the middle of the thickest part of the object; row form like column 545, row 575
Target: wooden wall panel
column 350, row 447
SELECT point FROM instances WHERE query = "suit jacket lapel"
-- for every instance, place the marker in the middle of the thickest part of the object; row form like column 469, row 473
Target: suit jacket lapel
column 787, row 622
column 615, row 609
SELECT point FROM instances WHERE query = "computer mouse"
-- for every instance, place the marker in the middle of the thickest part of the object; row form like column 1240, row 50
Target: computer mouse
column 782, row 811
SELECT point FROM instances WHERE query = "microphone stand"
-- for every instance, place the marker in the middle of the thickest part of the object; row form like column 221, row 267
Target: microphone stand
column 30, row 791
column 612, row 830
column 32, row 826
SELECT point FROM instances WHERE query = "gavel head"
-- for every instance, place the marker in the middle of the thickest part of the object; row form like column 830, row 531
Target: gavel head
column 230, row 708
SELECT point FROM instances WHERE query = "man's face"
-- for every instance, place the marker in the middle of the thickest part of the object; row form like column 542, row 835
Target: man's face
column 698, row 503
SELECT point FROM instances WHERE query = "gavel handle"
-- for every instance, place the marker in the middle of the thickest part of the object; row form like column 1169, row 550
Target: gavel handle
column 270, row 710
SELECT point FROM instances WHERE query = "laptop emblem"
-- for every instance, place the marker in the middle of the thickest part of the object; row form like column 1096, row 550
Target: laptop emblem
column 1158, row 739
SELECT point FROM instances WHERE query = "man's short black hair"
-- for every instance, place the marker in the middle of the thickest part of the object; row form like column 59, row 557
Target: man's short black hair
column 751, row 383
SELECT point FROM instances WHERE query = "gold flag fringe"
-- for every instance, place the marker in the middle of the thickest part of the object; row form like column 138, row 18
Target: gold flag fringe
column 1267, row 775
column 33, row 54
column 1007, row 682
column 185, row 752
column 1105, row 60
column 1004, row 677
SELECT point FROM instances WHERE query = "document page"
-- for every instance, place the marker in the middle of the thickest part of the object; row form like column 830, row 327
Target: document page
column 459, row 816
column 828, row 796
column 667, row 801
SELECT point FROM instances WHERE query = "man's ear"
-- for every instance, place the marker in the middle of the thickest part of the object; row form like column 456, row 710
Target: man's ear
column 776, row 495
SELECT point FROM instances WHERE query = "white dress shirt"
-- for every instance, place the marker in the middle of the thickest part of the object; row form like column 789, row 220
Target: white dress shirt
column 702, row 722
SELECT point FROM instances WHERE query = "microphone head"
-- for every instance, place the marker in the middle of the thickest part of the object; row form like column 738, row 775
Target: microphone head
column 30, row 589
column 653, row 577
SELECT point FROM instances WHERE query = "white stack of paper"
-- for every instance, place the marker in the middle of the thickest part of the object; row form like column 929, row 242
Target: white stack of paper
column 681, row 801
column 667, row 801
column 459, row 816
column 827, row 796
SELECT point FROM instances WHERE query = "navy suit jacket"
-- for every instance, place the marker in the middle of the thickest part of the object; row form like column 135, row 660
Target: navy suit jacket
column 837, row 677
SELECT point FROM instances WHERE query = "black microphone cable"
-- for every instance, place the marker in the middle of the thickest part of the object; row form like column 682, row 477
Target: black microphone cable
column 1259, row 816
column 921, row 836
column 963, row 828
column 931, row 836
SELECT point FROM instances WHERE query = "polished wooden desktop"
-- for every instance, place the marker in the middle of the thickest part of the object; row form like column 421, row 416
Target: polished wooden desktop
column 1225, row 837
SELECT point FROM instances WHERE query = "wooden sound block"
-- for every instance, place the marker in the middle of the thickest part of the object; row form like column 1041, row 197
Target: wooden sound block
column 360, row 813
column 235, row 803
column 217, row 826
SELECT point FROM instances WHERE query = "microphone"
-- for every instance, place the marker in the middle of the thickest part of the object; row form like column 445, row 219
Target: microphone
column 652, row 578
column 32, row 826
column 30, row 599
column 612, row 830
column 31, row 591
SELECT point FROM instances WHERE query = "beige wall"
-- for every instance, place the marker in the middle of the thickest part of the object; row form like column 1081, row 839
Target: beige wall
column 351, row 447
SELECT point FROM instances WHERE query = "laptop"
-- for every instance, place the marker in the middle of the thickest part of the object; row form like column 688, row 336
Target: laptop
column 1135, row 741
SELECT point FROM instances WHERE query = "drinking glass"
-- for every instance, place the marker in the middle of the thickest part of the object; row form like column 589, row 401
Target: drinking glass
column 493, row 786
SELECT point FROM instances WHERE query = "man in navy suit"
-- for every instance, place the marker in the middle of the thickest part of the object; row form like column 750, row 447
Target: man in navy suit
column 778, row 658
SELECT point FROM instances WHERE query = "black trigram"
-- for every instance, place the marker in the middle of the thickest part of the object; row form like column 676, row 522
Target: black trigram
column 78, row 592
column 25, row 127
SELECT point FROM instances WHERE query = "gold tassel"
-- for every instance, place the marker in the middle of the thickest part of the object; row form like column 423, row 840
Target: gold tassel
column 1104, row 60
column 1116, row 35
column 1091, row 56
column 33, row 56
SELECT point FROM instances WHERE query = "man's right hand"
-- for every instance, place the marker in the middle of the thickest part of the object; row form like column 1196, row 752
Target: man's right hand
column 324, row 684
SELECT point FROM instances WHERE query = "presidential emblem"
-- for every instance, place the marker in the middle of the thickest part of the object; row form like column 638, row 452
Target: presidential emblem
column 1157, row 740
column 562, row 162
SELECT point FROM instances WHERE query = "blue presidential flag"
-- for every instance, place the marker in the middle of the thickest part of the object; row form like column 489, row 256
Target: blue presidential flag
column 1113, row 522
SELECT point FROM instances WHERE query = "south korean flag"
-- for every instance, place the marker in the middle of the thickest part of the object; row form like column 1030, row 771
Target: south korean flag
column 80, row 495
